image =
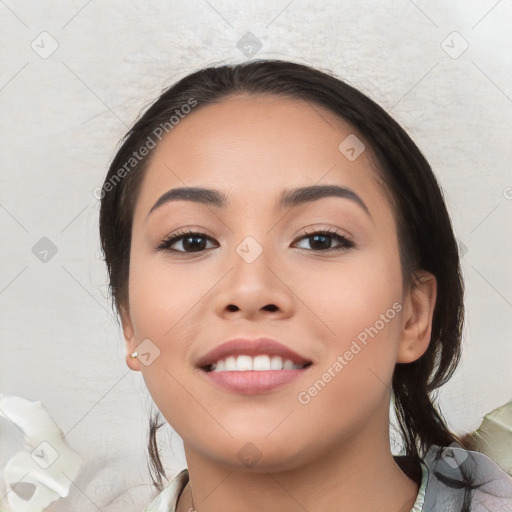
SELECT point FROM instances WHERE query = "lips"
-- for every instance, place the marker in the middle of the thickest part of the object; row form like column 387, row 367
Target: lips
column 242, row 346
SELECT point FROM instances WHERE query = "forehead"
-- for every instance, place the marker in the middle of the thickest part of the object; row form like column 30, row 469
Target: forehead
column 253, row 147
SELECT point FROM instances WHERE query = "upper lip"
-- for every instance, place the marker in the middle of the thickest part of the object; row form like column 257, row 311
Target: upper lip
column 243, row 346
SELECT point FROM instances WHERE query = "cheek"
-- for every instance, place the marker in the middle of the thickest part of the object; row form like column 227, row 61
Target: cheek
column 352, row 294
column 360, row 303
column 362, row 307
column 162, row 310
column 161, row 296
column 167, row 305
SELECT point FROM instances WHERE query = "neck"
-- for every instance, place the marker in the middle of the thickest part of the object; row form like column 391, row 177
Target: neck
column 359, row 474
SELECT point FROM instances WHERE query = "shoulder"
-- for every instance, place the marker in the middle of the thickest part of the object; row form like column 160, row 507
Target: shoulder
column 457, row 476
column 167, row 499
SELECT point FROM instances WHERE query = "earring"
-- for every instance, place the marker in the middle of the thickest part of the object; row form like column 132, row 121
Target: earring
column 133, row 355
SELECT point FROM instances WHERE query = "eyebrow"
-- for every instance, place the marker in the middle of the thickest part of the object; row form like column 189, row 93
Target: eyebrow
column 288, row 199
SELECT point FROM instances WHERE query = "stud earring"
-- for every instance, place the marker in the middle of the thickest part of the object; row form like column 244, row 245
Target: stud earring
column 133, row 355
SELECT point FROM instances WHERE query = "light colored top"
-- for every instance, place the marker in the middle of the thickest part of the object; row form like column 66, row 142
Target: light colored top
column 442, row 487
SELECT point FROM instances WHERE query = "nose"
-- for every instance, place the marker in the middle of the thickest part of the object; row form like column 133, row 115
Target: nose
column 255, row 286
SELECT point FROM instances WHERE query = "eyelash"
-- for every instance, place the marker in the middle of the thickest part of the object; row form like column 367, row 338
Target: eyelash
column 345, row 243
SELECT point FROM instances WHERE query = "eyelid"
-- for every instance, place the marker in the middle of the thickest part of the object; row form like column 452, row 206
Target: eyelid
column 311, row 230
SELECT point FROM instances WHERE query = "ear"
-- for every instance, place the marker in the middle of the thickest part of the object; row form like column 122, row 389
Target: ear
column 129, row 337
column 417, row 319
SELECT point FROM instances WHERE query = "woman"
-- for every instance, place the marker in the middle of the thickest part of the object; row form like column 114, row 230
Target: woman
column 284, row 267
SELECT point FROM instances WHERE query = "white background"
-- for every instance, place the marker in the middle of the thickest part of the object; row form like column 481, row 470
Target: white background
column 63, row 115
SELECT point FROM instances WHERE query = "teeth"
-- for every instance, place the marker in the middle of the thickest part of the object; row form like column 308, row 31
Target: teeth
column 245, row 363
column 276, row 363
column 261, row 363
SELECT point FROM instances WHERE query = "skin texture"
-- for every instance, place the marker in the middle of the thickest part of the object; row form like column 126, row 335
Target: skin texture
column 332, row 453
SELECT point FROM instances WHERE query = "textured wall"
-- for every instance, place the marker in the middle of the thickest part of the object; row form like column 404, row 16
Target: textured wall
column 64, row 112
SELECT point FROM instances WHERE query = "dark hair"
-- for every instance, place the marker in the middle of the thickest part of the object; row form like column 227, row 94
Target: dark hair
column 425, row 234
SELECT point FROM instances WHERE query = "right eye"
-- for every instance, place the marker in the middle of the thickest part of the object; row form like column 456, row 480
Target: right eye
column 190, row 241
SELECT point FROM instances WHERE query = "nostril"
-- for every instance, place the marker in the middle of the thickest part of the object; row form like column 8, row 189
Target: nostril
column 271, row 307
column 232, row 307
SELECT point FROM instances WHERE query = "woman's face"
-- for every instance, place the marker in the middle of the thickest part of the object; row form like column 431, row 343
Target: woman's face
column 255, row 272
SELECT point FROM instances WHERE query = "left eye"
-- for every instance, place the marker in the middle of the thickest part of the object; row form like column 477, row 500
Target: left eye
column 321, row 240
column 196, row 242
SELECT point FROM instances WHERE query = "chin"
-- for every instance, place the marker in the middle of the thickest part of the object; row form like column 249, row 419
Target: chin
column 259, row 454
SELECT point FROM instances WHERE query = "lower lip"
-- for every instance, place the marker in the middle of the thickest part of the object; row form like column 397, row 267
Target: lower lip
column 254, row 382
